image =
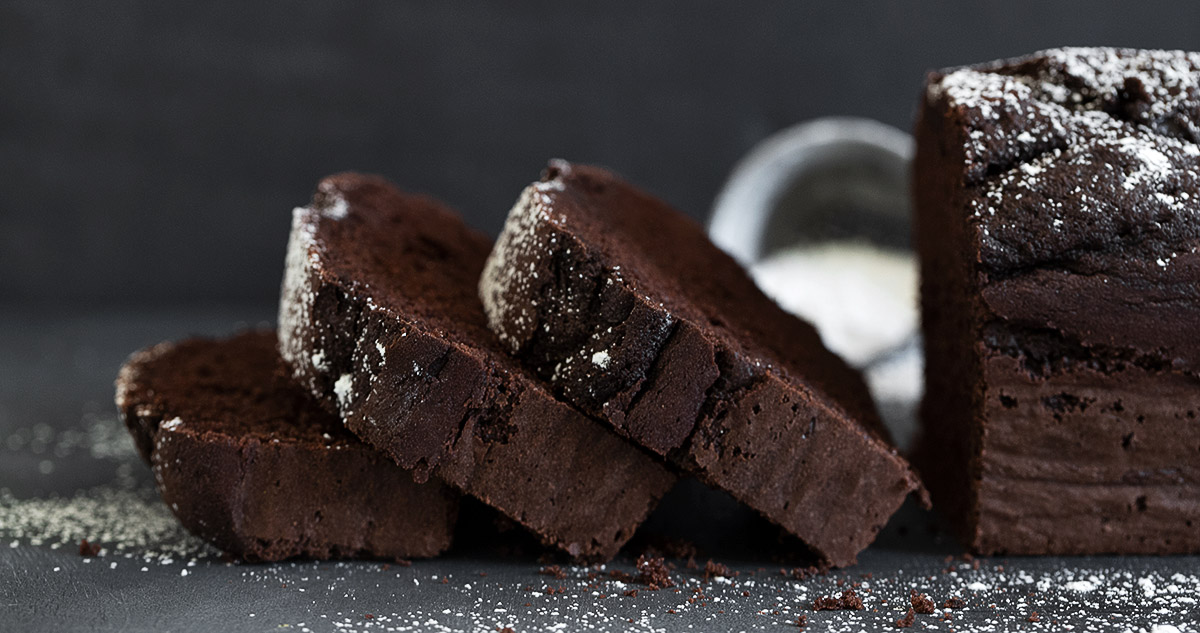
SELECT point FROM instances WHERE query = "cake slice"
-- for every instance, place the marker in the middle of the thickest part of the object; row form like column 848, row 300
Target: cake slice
column 380, row 319
column 633, row 315
column 247, row 461
column 1057, row 203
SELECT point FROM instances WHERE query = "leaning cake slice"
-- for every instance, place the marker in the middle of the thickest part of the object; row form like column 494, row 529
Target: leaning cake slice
column 247, row 460
column 380, row 319
column 631, row 313
column 1057, row 203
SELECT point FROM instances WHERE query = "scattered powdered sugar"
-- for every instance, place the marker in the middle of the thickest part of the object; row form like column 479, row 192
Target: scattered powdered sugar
column 1082, row 586
column 122, row 516
column 1045, row 108
column 141, row 545
column 1147, row 585
column 125, row 523
column 453, row 596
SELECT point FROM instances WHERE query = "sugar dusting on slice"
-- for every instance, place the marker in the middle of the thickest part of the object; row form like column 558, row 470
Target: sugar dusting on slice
column 600, row 359
column 297, row 297
column 343, row 389
column 511, row 269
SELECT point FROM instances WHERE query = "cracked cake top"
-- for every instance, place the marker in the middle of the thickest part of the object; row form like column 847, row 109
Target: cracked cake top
column 1073, row 154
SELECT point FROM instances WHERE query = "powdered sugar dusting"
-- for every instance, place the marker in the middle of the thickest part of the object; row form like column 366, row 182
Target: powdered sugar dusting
column 337, row 208
column 128, row 524
column 511, row 269
column 334, row 205
column 1078, row 77
column 600, row 359
column 1039, row 100
column 1164, row 75
column 318, row 361
column 296, row 301
column 519, row 300
column 1154, row 165
column 1113, row 124
column 139, row 539
column 1082, row 586
column 343, row 389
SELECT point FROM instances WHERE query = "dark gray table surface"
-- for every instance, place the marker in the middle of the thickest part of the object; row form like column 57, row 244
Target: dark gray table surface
column 68, row 471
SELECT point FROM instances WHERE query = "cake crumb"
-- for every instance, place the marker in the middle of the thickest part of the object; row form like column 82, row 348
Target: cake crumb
column 848, row 601
column 88, row 549
column 554, row 571
column 921, row 603
column 954, row 602
column 716, row 570
column 653, row 573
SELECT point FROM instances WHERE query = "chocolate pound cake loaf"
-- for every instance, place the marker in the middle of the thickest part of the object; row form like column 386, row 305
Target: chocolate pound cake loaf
column 632, row 314
column 379, row 317
column 247, row 461
column 1058, row 217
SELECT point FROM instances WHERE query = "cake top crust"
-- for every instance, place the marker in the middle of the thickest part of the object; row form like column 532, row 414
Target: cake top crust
column 424, row 274
column 1074, row 154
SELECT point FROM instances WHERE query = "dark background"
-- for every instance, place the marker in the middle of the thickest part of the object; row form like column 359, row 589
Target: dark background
column 151, row 151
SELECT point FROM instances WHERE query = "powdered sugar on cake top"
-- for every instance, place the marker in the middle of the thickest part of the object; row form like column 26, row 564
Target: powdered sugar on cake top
column 1155, row 166
column 1072, row 147
column 1081, row 78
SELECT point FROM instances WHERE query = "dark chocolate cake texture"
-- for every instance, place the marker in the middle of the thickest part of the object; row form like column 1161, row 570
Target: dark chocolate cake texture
column 1057, row 206
column 247, row 461
column 627, row 309
column 379, row 318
